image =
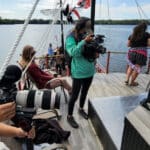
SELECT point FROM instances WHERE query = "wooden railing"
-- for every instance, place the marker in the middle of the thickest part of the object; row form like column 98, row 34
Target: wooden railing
column 124, row 53
column 108, row 53
column 108, row 58
column 46, row 58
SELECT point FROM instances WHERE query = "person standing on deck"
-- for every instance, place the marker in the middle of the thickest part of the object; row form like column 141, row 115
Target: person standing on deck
column 50, row 50
column 82, row 70
column 138, row 42
column 59, row 61
column 51, row 53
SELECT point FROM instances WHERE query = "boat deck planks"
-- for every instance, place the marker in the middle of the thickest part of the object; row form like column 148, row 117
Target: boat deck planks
column 112, row 84
column 103, row 85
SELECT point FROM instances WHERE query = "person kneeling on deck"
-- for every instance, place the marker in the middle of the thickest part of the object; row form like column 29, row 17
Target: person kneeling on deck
column 82, row 69
column 39, row 76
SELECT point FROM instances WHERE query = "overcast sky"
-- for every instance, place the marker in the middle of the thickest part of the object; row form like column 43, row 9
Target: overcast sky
column 118, row 9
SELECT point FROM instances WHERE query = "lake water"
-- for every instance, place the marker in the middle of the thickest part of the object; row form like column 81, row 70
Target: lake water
column 40, row 36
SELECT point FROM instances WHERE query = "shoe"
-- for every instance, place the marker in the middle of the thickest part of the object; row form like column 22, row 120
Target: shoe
column 126, row 82
column 72, row 122
column 83, row 114
column 134, row 84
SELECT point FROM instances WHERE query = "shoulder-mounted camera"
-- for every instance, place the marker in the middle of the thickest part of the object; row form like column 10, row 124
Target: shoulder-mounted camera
column 93, row 47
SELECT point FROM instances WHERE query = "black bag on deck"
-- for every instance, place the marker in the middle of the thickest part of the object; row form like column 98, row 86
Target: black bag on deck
column 49, row 131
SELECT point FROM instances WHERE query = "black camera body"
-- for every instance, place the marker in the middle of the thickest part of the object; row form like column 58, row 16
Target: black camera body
column 93, row 47
column 23, row 118
column 7, row 94
column 8, row 88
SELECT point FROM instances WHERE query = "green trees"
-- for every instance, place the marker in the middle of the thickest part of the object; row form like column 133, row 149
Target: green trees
column 41, row 21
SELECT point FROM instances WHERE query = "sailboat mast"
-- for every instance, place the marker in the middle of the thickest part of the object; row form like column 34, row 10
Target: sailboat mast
column 93, row 13
column 62, row 28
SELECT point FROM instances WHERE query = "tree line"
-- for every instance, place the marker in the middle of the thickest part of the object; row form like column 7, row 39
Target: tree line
column 42, row 21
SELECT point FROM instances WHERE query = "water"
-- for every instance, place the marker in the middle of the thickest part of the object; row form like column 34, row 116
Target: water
column 40, row 36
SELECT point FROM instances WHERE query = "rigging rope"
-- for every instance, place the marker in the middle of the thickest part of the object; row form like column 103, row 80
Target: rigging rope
column 44, row 40
column 108, row 10
column 140, row 10
column 50, row 30
column 12, row 51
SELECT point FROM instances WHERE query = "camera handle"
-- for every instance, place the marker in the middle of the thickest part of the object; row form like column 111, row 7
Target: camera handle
column 29, row 144
column 28, row 112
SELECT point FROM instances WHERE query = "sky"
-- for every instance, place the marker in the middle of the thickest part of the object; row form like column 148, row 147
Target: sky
column 105, row 9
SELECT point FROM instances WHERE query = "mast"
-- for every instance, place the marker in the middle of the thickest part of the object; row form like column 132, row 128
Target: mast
column 93, row 13
column 62, row 28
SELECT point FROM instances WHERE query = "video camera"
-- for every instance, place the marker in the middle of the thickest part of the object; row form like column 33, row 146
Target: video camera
column 28, row 99
column 7, row 84
column 93, row 47
column 23, row 119
column 8, row 93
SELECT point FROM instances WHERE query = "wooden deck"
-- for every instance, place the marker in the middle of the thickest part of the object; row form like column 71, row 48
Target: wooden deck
column 104, row 85
column 112, row 84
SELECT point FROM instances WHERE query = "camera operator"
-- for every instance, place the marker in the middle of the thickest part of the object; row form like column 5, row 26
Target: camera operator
column 82, row 70
column 8, row 105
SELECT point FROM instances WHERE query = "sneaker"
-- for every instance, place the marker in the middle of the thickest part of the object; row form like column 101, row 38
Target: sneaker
column 126, row 82
column 134, row 84
column 72, row 122
column 83, row 114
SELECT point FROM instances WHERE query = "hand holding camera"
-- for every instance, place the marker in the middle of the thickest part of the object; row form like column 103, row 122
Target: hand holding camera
column 89, row 37
column 7, row 111
column 21, row 133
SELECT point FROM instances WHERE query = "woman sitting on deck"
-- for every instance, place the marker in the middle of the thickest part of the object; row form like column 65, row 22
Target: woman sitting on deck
column 137, row 54
column 39, row 76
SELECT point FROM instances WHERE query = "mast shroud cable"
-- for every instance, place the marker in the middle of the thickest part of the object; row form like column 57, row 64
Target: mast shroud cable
column 14, row 47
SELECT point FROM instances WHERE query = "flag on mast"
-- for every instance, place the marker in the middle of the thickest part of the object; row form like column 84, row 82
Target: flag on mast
column 84, row 3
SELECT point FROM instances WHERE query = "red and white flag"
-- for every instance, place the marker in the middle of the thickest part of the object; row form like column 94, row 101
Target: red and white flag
column 84, row 3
